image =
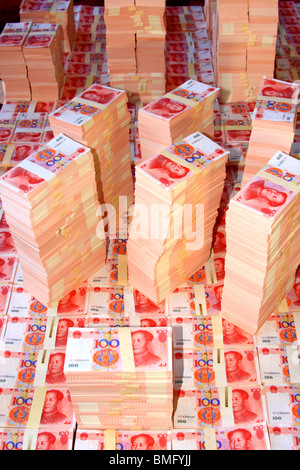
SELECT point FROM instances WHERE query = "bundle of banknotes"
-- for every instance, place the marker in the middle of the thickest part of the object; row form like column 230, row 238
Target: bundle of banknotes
column 61, row 13
column 190, row 174
column 13, row 65
column 273, row 124
column 43, row 54
column 33, row 56
column 55, row 231
column 188, row 107
column 120, row 378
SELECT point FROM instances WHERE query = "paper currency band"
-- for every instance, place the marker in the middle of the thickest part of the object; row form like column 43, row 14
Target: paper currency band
column 180, row 161
column 181, row 99
column 126, row 350
column 225, row 395
column 200, row 300
column 217, row 329
column 36, row 408
column 219, row 368
column 122, row 270
column 210, row 439
column 110, row 439
column 290, row 185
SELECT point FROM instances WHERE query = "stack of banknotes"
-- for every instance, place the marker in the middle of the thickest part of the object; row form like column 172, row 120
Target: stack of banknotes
column 261, row 47
column 43, row 54
column 188, row 174
column 273, row 124
column 120, row 378
column 136, row 35
column 256, row 281
column 54, row 12
column 14, row 73
column 244, row 46
column 182, row 111
column 55, row 229
column 99, row 118
column 230, row 40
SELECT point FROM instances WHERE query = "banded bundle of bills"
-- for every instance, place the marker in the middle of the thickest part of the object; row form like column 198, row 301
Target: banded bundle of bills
column 199, row 370
column 44, row 60
column 219, row 406
column 88, row 439
column 177, row 196
column 47, row 11
column 257, row 280
column 280, row 365
column 99, row 118
column 57, row 229
column 198, row 333
column 14, row 73
column 273, row 124
column 36, row 439
column 182, row 111
column 283, row 407
column 120, row 378
column 240, row 437
column 284, row 437
column 40, row 408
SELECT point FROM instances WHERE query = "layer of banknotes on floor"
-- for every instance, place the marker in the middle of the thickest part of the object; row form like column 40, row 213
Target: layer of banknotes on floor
column 230, row 389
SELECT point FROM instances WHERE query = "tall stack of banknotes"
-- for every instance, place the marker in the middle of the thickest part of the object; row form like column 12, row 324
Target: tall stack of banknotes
column 43, row 54
column 136, row 35
column 262, row 252
column 99, row 118
column 182, row 111
column 244, row 46
column 14, row 73
column 190, row 174
column 120, row 378
column 55, row 12
column 51, row 206
column 273, row 124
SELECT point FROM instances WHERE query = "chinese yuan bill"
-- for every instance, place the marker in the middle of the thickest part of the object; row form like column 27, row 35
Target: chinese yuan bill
column 179, row 161
column 279, row 365
column 99, row 351
column 223, row 406
column 25, row 333
column 42, row 166
column 43, row 407
column 244, row 437
column 265, row 197
column 80, row 110
column 283, row 405
column 122, row 440
column 277, row 101
column 196, row 333
column 216, row 368
column 36, row 439
column 280, row 329
column 284, row 437
column 17, row 368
